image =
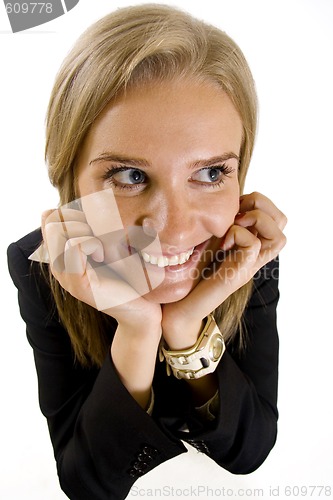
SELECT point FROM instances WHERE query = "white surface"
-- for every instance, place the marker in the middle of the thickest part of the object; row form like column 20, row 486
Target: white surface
column 288, row 45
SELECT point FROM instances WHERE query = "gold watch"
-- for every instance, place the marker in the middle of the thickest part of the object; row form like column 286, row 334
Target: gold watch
column 200, row 359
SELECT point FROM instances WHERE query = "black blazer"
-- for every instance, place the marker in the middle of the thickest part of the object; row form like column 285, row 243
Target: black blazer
column 102, row 439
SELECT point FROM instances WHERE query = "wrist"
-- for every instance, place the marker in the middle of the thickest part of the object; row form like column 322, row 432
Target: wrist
column 134, row 356
column 182, row 334
column 139, row 340
column 137, row 330
column 201, row 358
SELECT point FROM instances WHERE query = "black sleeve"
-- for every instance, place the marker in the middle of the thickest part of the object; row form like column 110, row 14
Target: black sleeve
column 102, row 439
column 245, row 429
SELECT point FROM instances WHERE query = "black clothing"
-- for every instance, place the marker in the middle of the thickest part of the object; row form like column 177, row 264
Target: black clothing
column 102, row 439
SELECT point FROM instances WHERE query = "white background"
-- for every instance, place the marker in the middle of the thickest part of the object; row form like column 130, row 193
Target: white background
column 288, row 44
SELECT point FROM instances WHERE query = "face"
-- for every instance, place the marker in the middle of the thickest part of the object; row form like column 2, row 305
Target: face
column 170, row 154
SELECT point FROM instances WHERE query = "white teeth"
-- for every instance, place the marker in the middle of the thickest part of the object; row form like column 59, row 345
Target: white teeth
column 174, row 260
column 153, row 259
column 163, row 261
column 183, row 258
column 145, row 256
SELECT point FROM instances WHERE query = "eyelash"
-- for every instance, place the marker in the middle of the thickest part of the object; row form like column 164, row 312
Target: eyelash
column 223, row 169
column 112, row 171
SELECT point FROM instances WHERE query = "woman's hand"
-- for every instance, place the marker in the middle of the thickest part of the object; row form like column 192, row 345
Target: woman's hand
column 255, row 238
column 77, row 263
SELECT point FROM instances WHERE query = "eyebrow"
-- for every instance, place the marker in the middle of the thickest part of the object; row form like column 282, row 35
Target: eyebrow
column 215, row 160
column 117, row 158
column 139, row 162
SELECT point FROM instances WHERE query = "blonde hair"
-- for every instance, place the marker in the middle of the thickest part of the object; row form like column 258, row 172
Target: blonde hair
column 128, row 47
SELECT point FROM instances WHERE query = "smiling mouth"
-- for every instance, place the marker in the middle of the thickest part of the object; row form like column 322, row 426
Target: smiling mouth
column 163, row 261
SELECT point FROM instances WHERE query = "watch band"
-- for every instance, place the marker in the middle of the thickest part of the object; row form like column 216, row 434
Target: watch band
column 200, row 359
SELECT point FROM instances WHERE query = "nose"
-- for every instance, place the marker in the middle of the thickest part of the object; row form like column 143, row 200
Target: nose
column 175, row 218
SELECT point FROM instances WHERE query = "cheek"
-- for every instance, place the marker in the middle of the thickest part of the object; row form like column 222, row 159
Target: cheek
column 131, row 210
column 102, row 212
column 222, row 213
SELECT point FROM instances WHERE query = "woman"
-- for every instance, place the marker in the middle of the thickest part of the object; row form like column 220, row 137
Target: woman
column 156, row 258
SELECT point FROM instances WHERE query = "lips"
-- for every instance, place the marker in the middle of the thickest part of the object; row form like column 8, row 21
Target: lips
column 177, row 261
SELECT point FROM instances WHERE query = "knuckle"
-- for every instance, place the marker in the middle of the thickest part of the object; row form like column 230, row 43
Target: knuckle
column 257, row 213
column 52, row 226
column 256, row 246
column 283, row 220
column 256, row 196
column 283, row 240
column 279, row 244
column 46, row 215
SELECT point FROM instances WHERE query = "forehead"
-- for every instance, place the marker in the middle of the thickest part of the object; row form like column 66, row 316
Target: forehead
column 182, row 114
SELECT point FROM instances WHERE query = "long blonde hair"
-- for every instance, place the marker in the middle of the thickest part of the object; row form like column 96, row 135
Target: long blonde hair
column 133, row 46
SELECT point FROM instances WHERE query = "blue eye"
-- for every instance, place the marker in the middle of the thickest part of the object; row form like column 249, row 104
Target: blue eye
column 125, row 177
column 129, row 176
column 212, row 175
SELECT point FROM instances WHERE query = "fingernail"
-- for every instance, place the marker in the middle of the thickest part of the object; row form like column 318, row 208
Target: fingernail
column 240, row 215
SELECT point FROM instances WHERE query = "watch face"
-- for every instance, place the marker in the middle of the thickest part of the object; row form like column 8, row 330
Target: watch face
column 216, row 347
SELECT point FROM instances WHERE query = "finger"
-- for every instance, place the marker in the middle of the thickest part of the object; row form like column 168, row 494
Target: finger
column 237, row 268
column 76, row 252
column 260, row 221
column 55, row 240
column 63, row 215
column 109, row 290
column 72, row 229
column 58, row 226
column 256, row 200
column 66, row 217
column 239, row 237
column 265, row 228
